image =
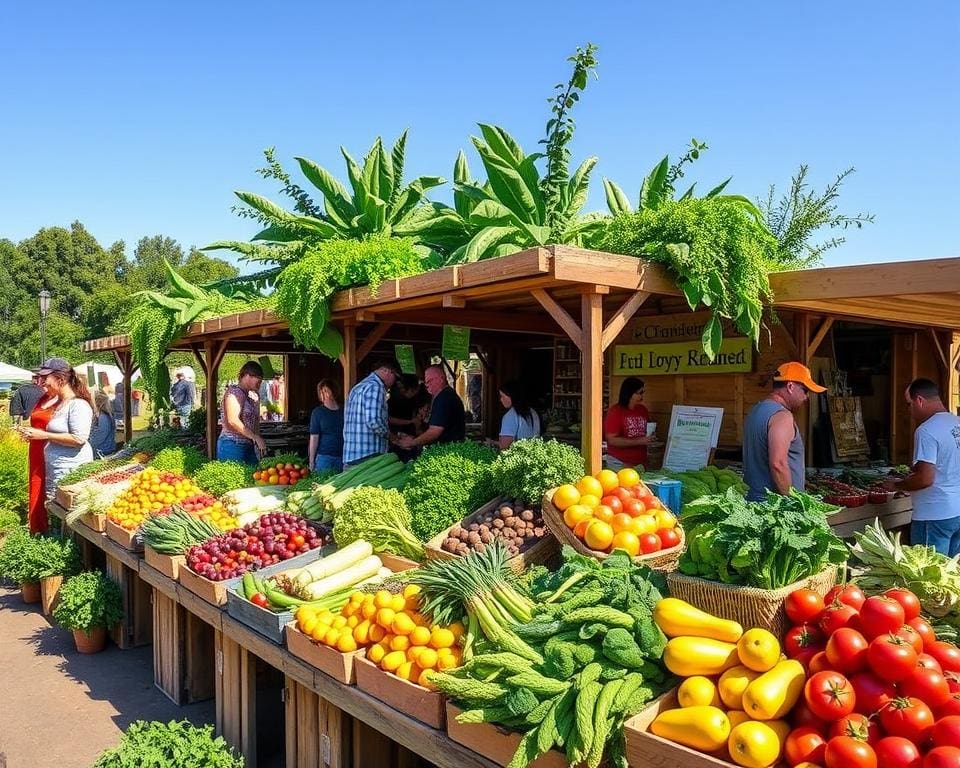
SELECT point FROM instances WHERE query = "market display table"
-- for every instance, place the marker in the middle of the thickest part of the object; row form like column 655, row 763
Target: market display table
column 327, row 723
column 896, row 513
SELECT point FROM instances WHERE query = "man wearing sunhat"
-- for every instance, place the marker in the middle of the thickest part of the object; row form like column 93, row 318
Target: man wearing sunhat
column 773, row 457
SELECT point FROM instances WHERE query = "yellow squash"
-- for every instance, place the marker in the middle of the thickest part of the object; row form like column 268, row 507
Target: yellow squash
column 755, row 744
column 698, row 691
column 678, row 618
column 733, row 683
column 703, row 728
column 773, row 694
column 687, row 656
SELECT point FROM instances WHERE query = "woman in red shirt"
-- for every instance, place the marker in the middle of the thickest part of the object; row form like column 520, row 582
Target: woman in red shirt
column 625, row 427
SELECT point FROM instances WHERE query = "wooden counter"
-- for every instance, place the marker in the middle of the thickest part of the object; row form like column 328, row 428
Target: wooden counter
column 894, row 514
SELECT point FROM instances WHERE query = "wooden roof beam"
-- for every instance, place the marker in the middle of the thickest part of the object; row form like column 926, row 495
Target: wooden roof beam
column 514, row 322
column 559, row 314
column 371, row 340
column 621, row 317
column 893, row 279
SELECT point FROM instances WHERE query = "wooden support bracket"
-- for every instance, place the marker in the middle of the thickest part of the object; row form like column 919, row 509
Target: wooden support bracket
column 955, row 360
column 365, row 316
column 372, row 339
column 484, row 360
column 622, row 316
column 559, row 314
column 940, row 351
column 452, row 301
column 818, row 337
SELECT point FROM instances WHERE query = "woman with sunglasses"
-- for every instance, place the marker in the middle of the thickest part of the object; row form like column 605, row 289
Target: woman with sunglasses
column 625, row 427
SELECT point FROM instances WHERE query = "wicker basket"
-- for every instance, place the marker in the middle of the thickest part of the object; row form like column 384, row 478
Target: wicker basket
column 664, row 560
column 749, row 606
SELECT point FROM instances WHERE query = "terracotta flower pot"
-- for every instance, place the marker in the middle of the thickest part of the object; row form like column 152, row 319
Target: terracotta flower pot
column 91, row 641
column 49, row 591
column 30, row 591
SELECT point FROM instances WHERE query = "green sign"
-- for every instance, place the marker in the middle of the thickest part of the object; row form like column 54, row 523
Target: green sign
column 456, row 343
column 404, row 355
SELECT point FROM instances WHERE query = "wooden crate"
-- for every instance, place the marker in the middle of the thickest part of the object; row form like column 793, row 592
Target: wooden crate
column 169, row 623
column 495, row 743
column 136, row 627
column 404, row 696
column 214, row 592
column 396, row 563
column 328, row 660
column 94, row 522
column 538, row 553
column 236, row 696
column 372, row 748
column 132, row 540
column 317, row 732
column 168, row 565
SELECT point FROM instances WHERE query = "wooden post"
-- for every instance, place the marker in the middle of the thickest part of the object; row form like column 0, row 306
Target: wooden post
column 591, row 374
column 124, row 360
column 348, row 360
column 213, row 352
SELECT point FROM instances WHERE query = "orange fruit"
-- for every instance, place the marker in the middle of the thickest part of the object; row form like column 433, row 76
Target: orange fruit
column 608, row 480
column 604, row 513
column 565, row 496
column 599, row 535
column 574, row 514
column 589, row 485
column 621, row 522
column 628, row 477
column 589, row 501
column 581, row 527
column 628, row 541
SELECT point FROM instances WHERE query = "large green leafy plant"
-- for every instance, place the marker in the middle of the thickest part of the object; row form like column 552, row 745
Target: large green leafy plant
column 169, row 745
column 26, row 558
column 13, row 472
column 87, row 601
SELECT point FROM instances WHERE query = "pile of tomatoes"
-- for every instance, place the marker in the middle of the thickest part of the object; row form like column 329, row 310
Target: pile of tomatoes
column 281, row 473
column 616, row 510
column 881, row 689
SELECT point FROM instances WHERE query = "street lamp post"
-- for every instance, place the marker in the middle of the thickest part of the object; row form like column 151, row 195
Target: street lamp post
column 44, row 308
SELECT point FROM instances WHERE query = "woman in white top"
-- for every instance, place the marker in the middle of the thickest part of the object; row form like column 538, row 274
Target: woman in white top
column 520, row 422
column 68, row 431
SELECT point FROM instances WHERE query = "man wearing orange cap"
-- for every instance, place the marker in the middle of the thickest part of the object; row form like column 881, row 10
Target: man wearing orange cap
column 773, row 457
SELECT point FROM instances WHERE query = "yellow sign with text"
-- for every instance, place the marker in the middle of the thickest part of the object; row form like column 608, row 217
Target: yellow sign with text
column 682, row 358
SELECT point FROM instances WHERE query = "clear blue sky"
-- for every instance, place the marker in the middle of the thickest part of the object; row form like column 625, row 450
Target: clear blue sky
column 141, row 118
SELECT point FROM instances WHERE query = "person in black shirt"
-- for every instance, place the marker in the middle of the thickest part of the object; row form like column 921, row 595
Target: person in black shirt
column 24, row 400
column 448, row 422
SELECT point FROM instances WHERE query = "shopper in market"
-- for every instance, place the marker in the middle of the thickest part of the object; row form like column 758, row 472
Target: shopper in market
column 773, row 456
column 448, row 420
column 103, row 433
column 934, row 481
column 520, row 422
column 182, row 395
column 25, row 399
column 67, row 432
column 406, row 400
column 365, row 429
column 325, row 450
column 625, row 427
column 240, row 432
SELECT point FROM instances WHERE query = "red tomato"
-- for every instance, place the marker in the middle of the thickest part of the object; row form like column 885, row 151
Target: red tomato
column 891, row 658
column 829, row 695
column 946, row 731
column 908, row 601
column 806, row 656
column 650, row 542
column 924, row 630
column 950, row 707
column 849, row 594
column 947, row 654
column 907, row 717
column 802, row 638
column 668, row 537
column 297, row 540
column 613, row 502
column 845, row 752
column 942, row 757
column 872, row 693
column 953, row 679
column 804, row 744
column 856, row 726
column 837, row 615
column 927, row 661
column 897, row 752
column 928, row 685
column 260, row 599
column 634, row 507
column 819, row 663
column 911, row 635
column 847, row 650
column 803, row 717
column 803, row 606
column 880, row 616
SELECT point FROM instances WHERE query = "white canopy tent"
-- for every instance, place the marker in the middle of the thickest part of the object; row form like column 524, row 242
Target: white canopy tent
column 97, row 372
column 10, row 374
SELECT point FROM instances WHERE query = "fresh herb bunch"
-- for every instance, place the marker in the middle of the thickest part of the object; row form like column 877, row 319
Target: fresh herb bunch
column 26, row 558
column 169, row 745
column 180, row 459
column 91, row 468
column 87, row 601
column 768, row 544
column 528, row 468
column 379, row 517
column 447, row 483
column 220, row 477
column 156, row 440
column 304, row 287
column 718, row 251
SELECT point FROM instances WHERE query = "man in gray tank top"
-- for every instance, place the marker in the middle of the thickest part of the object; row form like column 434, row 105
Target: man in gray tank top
column 773, row 457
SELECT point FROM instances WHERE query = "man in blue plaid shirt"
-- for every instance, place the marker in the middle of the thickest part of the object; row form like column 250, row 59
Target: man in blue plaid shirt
column 365, row 430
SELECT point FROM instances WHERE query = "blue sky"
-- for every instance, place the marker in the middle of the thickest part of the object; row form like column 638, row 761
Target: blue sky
column 141, row 119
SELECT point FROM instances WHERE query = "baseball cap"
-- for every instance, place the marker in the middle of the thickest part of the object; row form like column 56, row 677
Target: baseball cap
column 799, row 373
column 54, row 365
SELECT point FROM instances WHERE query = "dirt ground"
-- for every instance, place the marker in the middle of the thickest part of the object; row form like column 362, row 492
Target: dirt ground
column 61, row 709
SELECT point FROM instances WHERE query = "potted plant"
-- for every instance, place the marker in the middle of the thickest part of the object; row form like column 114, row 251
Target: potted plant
column 90, row 603
column 15, row 558
column 52, row 560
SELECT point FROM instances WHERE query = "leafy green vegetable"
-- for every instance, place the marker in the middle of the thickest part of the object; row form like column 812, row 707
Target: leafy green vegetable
column 91, row 468
column 220, row 477
column 180, row 459
column 380, row 517
column 767, row 544
column 447, row 483
column 169, row 745
column 528, row 468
